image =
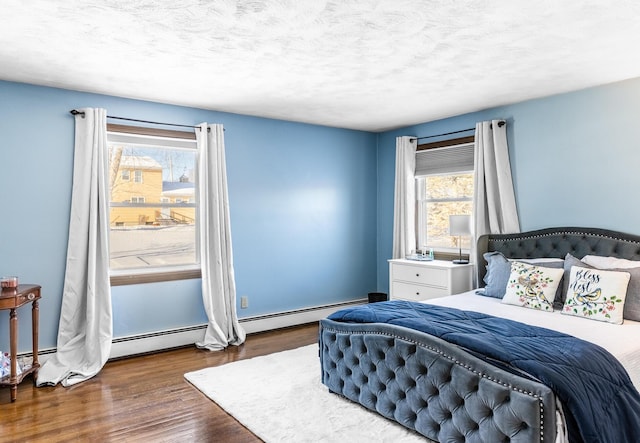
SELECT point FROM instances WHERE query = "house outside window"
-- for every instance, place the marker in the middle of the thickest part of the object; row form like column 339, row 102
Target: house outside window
column 444, row 187
column 153, row 222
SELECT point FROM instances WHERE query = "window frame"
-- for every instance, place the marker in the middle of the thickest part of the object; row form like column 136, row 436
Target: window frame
column 422, row 201
column 170, row 273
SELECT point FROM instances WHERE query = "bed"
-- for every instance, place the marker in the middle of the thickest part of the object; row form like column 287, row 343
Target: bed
column 441, row 383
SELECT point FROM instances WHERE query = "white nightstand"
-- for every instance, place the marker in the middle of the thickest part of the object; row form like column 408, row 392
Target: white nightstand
column 421, row 280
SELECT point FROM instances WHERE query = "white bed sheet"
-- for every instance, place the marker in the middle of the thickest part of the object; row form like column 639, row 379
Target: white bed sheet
column 622, row 341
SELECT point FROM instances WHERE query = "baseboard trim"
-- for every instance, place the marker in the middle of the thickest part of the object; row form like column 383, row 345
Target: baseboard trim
column 279, row 320
column 179, row 337
column 174, row 338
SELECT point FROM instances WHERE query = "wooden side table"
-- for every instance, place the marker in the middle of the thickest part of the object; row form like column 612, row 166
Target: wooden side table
column 12, row 299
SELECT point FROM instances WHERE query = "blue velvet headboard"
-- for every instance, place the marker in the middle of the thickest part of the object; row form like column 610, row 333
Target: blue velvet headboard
column 557, row 242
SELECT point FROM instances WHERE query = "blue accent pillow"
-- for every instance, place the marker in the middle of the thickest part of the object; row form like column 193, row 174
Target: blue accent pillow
column 499, row 270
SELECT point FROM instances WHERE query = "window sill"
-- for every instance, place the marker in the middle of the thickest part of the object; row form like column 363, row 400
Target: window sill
column 154, row 277
column 450, row 256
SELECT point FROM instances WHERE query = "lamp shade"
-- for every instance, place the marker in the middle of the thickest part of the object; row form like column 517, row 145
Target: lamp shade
column 459, row 225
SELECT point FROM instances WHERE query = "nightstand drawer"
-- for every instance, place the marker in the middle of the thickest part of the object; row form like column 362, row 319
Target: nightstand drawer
column 421, row 275
column 408, row 291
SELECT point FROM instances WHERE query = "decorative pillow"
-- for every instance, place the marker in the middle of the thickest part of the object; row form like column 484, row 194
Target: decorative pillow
column 499, row 269
column 600, row 262
column 632, row 301
column 596, row 294
column 569, row 262
column 532, row 286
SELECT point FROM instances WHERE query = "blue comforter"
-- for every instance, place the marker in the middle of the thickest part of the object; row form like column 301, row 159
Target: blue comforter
column 600, row 402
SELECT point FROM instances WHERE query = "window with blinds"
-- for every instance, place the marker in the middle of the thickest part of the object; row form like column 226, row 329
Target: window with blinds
column 444, row 160
column 444, row 187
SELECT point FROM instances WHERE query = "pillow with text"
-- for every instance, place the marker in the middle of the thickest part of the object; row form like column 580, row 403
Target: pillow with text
column 596, row 294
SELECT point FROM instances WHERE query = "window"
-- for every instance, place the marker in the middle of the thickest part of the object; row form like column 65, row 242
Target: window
column 151, row 238
column 444, row 187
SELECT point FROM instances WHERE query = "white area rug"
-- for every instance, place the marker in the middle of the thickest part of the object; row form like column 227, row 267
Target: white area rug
column 280, row 398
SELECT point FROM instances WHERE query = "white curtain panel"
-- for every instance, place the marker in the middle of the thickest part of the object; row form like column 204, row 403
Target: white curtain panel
column 216, row 252
column 494, row 201
column 85, row 330
column 404, row 204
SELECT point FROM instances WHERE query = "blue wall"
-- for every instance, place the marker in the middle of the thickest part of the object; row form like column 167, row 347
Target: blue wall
column 574, row 159
column 302, row 200
column 311, row 206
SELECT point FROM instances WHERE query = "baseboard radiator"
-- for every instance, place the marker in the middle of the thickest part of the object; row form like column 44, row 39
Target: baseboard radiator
column 174, row 338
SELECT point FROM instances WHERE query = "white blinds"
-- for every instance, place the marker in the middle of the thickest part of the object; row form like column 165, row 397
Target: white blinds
column 445, row 160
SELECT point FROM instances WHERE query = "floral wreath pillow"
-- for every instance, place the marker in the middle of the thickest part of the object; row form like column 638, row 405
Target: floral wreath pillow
column 532, row 286
column 596, row 294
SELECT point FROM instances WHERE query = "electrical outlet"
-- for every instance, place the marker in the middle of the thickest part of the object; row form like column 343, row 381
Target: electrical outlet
column 244, row 302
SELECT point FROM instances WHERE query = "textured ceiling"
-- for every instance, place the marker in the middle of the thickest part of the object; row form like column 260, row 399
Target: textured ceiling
column 362, row 64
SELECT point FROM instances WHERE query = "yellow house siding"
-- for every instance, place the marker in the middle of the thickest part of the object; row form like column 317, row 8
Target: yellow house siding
column 149, row 188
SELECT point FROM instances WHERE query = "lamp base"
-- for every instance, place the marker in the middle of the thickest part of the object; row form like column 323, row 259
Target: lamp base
column 460, row 262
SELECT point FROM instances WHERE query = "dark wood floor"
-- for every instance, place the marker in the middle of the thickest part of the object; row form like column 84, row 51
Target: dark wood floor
column 139, row 399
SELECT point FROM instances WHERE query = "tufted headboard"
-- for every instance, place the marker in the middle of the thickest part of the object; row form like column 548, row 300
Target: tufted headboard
column 557, row 242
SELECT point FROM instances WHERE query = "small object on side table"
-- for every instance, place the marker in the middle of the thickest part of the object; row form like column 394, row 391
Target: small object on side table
column 11, row 299
column 418, row 257
column 9, row 282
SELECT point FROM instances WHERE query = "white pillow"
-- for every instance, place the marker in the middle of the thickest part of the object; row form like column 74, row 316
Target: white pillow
column 532, row 286
column 535, row 261
column 596, row 294
column 598, row 261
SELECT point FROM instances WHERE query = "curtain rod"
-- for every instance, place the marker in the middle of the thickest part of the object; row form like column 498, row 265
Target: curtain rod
column 76, row 112
column 501, row 123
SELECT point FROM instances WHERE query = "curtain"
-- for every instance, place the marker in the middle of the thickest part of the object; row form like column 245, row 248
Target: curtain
column 404, row 205
column 85, row 330
column 216, row 253
column 494, row 199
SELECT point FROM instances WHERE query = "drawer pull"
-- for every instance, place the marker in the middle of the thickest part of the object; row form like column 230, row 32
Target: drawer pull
column 31, row 296
column 417, row 275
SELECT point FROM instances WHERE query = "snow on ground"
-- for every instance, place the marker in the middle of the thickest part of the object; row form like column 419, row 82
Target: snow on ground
column 148, row 246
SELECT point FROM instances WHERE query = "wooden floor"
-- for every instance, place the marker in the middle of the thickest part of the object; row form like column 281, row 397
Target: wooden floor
column 139, row 399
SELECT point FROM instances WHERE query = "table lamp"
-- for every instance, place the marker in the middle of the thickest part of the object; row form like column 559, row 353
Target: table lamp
column 460, row 225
